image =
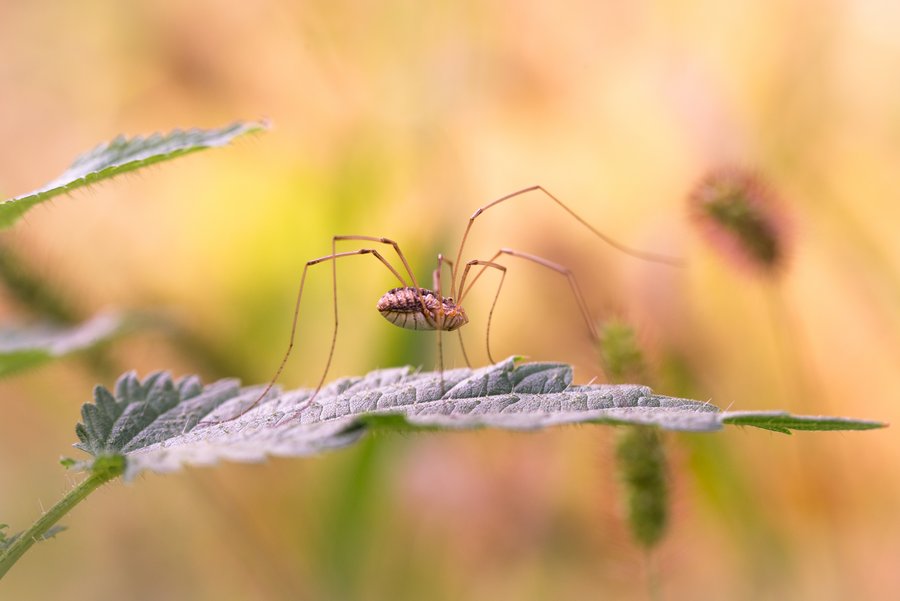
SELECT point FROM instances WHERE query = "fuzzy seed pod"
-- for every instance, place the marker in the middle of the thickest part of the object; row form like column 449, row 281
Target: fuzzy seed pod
column 640, row 454
column 620, row 355
column 742, row 219
column 641, row 462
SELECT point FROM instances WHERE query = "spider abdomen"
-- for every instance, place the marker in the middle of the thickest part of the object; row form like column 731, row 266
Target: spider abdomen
column 420, row 309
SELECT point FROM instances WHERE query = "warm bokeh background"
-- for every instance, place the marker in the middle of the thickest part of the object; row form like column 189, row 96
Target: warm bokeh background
column 399, row 119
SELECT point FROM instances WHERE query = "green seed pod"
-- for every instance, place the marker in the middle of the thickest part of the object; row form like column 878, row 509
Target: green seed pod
column 641, row 460
column 620, row 355
column 640, row 455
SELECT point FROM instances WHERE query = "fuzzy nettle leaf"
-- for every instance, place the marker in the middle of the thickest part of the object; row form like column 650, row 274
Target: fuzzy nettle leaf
column 121, row 156
column 160, row 425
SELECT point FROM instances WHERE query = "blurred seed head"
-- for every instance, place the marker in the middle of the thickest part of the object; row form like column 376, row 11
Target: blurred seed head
column 620, row 354
column 641, row 463
column 742, row 218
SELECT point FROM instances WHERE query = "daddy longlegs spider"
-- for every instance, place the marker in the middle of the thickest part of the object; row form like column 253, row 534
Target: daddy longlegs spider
column 413, row 307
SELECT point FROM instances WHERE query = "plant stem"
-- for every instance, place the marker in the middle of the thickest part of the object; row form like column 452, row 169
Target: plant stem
column 103, row 470
column 654, row 589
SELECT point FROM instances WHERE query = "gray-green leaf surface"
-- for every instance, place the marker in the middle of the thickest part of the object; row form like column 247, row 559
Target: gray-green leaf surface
column 160, row 425
column 120, row 156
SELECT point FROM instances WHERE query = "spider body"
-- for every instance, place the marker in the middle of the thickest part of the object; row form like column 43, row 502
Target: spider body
column 421, row 309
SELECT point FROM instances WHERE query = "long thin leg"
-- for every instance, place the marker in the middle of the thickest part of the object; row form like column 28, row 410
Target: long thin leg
column 334, row 241
column 438, row 324
column 332, row 257
column 402, row 257
column 436, row 280
column 380, row 240
column 565, row 271
column 462, row 347
column 617, row 245
column 485, row 265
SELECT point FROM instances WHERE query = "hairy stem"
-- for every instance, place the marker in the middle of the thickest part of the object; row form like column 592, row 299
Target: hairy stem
column 103, row 470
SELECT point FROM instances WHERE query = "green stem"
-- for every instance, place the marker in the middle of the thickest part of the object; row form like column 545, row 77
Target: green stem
column 103, row 470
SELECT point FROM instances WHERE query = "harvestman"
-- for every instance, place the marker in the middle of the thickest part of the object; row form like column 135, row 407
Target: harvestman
column 413, row 307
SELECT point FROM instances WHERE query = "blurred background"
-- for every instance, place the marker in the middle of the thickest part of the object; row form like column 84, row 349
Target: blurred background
column 399, row 119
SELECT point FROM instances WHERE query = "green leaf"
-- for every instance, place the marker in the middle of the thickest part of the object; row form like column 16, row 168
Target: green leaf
column 780, row 421
column 160, row 425
column 121, row 156
column 25, row 347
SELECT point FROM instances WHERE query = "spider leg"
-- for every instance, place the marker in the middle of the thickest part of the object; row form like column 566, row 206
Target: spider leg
column 400, row 254
column 436, row 277
column 617, row 245
column 296, row 317
column 484, row 265
column 436, row 274
column 561, row 269
column 436, row 324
